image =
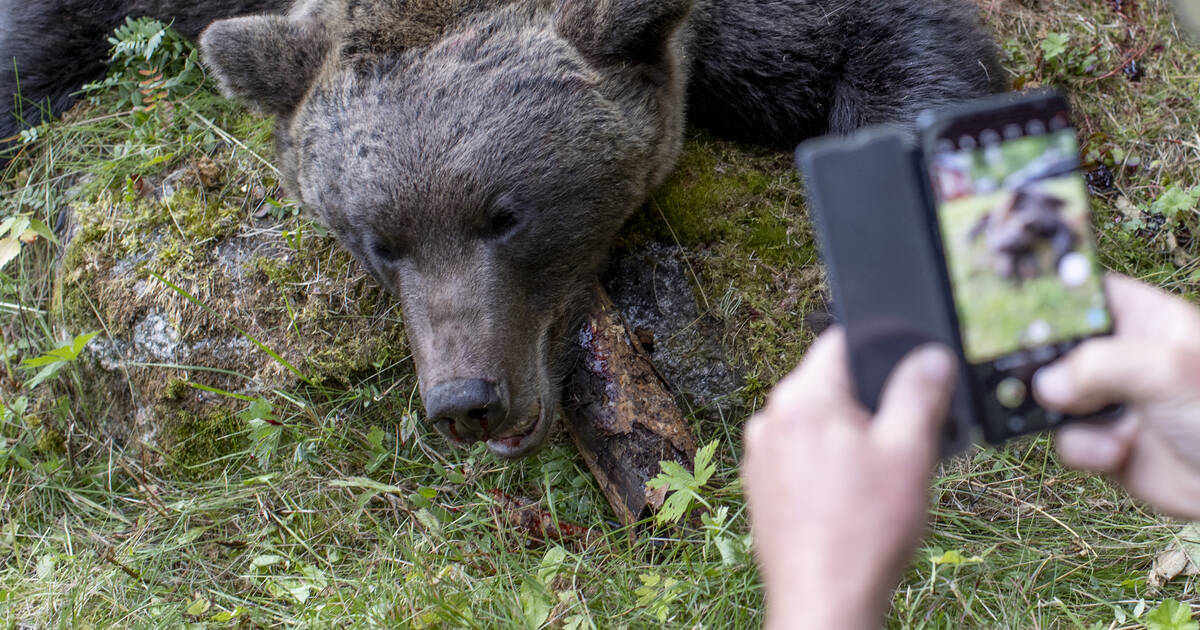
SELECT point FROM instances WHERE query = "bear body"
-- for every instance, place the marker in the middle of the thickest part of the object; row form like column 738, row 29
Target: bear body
column 775, row 72
column 479, row 156
column 762, row 71
column 50, row 48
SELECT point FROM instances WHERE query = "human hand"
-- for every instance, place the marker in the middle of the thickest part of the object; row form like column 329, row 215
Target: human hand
column 1151, row 364
column 838, row 500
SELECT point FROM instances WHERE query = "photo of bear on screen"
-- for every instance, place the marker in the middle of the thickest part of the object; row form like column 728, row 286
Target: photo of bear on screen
column 1015, row 222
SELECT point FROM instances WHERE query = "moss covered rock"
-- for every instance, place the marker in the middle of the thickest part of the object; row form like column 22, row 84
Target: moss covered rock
column 208, row 297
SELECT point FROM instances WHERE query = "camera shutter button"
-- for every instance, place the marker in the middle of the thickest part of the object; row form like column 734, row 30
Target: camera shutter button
column 1012, row 393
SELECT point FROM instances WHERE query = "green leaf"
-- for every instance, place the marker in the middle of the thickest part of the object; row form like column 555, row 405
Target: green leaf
column 552, row 563
column 1054, row 45
column 577, row 622
column 1189, row 542
column 377, row 461
column 264, row 440
column 260, row 480
column 1175, row 200
column 80, row 342
column 191, row 535
column 674, row 476
column 536, row 604
column 259, row 409
column 732, row 550
column 198, row 607
column 369, row 484
column 299, row 590
column 954, row 557
column 537, row 592
column 225, row 615
column 155, row 40
column 683, row 484
column 375, row 437
column 266, row 560
column 429, row 521
column 53, row 361
column 45, row 567
column 50, row 358
column 656, row 594
column 43, row 375
column 17, row 227
column 674, row 507
column 42, row 230
column 1171, row 615
column 705, row 467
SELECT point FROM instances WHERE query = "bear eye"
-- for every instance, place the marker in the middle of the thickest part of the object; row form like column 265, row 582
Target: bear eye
column 385, row 251
column 500, row 225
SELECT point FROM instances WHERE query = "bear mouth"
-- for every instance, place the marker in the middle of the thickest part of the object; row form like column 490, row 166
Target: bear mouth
column 524, row 441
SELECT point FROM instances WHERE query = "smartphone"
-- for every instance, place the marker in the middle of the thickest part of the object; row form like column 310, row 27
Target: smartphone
column 1011, row 224
column 868, row 200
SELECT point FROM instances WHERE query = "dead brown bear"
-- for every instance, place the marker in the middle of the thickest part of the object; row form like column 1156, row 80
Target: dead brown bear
column 478, row 156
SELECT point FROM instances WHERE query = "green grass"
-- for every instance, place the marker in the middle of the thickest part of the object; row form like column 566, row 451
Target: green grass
column 341, row 511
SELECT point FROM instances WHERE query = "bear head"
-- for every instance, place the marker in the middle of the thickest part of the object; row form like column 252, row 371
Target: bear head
column 477, row 158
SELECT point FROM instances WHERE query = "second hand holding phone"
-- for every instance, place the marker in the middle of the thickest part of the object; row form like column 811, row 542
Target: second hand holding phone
column 979, row 239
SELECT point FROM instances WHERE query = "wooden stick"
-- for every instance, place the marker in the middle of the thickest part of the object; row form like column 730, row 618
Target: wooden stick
column 621, row 413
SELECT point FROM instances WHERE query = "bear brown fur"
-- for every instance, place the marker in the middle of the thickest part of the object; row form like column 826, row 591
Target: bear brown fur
column 478, row 156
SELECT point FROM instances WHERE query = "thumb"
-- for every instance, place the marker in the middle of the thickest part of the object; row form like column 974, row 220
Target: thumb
column 1104, row 371
column 916, row 399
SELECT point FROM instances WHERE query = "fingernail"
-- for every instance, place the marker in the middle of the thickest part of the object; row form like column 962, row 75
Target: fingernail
column 936, row 363
column 1052, row 384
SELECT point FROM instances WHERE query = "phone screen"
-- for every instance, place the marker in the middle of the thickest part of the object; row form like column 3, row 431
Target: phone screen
column 1015, row 225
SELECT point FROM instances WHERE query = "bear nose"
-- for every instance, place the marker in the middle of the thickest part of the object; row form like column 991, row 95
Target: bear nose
column 465, row 410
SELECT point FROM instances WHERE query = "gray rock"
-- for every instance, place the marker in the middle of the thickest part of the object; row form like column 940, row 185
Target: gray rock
column 652, row 288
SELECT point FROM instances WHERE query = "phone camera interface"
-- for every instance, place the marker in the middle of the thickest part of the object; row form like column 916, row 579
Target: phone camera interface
column 1015, row 222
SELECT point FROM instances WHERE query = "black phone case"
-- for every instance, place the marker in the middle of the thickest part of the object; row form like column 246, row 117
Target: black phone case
column 868, row 200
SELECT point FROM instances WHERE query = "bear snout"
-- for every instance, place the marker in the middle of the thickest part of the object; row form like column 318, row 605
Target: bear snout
column 467, row 410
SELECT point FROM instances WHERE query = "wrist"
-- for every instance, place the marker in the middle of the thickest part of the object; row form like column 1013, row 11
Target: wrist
column 824, row 616
column 823, row 608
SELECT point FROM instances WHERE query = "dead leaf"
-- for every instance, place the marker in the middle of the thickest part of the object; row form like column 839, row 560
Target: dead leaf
column 29, row 237
column 207, row 172
column 9, row 248
column 656, row 497
column 1181, row 557
column 526, row 516
column 1127, row 208
column 1179, row 255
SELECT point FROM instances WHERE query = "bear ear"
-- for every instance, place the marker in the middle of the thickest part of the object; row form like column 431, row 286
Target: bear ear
column 624, row 30
column 267, row 61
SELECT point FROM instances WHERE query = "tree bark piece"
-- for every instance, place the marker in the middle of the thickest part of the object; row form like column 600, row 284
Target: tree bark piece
column 621, row 414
